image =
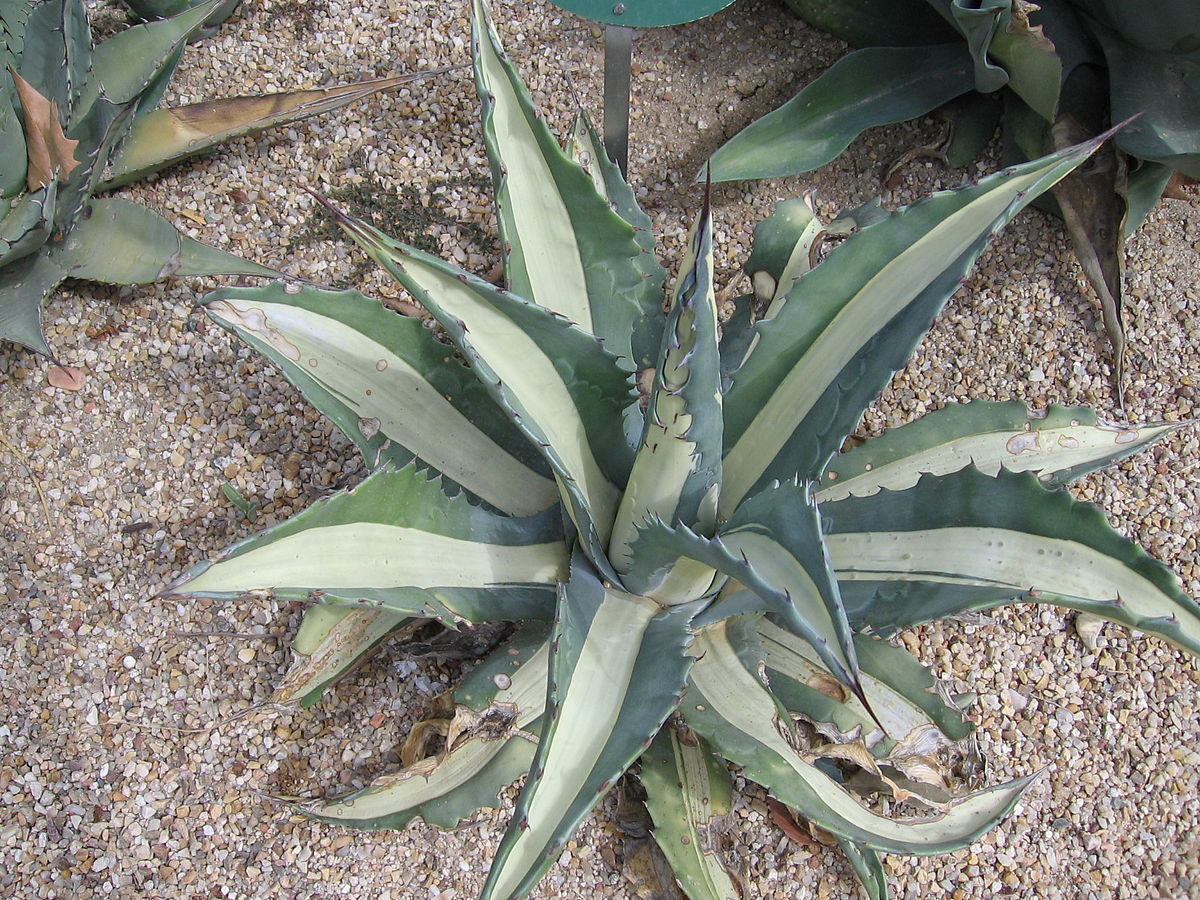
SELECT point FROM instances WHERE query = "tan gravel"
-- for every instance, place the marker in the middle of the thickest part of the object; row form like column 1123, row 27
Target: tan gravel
column 112, row 780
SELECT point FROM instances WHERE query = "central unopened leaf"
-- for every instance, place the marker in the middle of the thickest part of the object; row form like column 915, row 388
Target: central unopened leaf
column 677, row 473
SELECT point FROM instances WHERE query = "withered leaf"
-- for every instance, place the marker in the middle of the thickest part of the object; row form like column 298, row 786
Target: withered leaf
column 416, row 746
column 1177, row 187
column 785, row 822
column 800, row 830
column 1092, row 203
column 49, row 149
column 828, row 685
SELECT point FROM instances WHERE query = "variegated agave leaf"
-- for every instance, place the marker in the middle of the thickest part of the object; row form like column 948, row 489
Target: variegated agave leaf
column 689, row 792
column 1058, row 444
column 697, row 575
column 398, row 542
column 390, row 386
column 988, row 540
column 736, row 712
column 76, row 120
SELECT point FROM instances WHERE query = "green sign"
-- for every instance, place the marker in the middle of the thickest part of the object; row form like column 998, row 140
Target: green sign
column 643, row 13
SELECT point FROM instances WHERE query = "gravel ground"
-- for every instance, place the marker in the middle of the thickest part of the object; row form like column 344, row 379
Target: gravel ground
column 122, row 771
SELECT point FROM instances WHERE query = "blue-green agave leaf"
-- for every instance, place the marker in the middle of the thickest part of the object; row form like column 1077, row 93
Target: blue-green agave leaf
column 128, row 62
column 737, row 337
column 588, row 150
column 1172, row 28
column 161, row 9
column 979, row 23
column 1144, row 187
column 1163, row 91
column 1030, row 59
column 876, row 23
column 867, row 866
column 869, row 87
column 57, row 50
column 121, row 242
column 23, row 286
column 14, row 14
column 25, row 224
column 1008, row 50
column 13, row 154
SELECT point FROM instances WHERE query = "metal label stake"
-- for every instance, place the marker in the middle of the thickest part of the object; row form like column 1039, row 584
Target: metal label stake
column 618, row 62
column 620, row 18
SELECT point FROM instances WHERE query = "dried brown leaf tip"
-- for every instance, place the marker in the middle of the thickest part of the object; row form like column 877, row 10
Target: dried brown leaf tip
column 50, row 150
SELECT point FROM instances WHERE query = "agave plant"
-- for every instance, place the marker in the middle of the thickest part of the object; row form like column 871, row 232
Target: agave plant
column 1055, row 71
column 76, row 120
column 149, row 10
column 697, row 571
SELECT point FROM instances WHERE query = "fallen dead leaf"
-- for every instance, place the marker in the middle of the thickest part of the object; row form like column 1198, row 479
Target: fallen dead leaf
column 66, row 377
column 1177, row 187
column 783, row 819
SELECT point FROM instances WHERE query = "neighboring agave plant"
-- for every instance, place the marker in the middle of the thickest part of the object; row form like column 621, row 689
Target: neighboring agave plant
column 149, row 10
column 695, row 578
column 76, row 120
column 1064, row 70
